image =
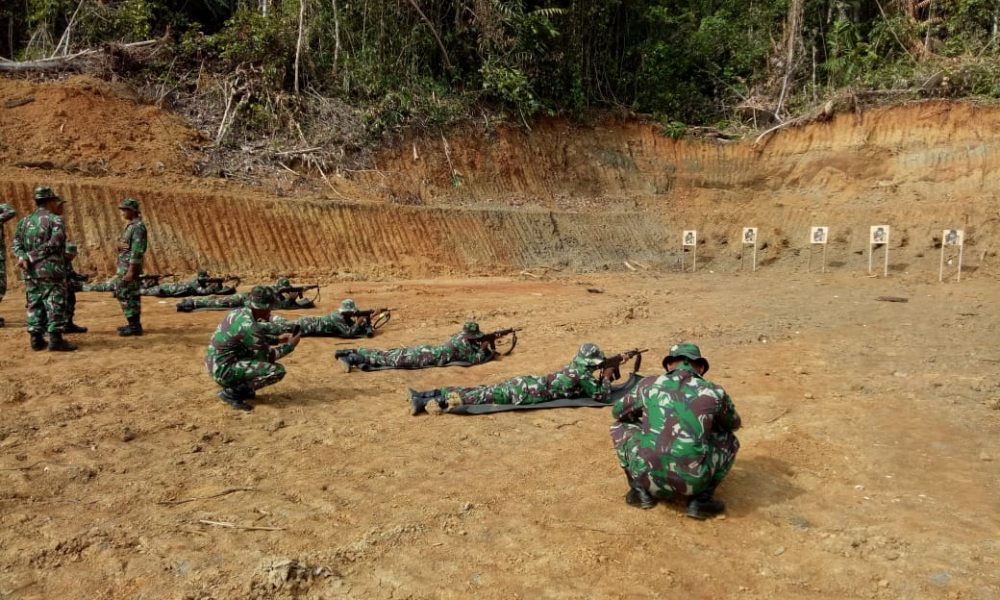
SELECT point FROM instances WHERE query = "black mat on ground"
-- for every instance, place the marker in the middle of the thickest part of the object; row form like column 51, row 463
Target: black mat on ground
column 617, row 391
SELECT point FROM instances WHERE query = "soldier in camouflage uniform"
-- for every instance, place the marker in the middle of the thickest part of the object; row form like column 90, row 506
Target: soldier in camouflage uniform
column 339, row 324
column 40, row 248
column 6, row 214
column 573, row 381
column 674, row 435
column 461, row 347
column 104, row 286
column 199, row 285
column 131, row 250
column 283, row 300
column 74, row 284
column 243, row 353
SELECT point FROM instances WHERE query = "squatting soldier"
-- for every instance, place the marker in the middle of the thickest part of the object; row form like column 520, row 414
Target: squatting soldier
column 74, row 284
column 341, row 324
column 6, row 214
column 283, row 300
column 243, row 353
column 674, row 435
column 40, row 248
column 461, row 347
column 573, row 381
column 131, row 250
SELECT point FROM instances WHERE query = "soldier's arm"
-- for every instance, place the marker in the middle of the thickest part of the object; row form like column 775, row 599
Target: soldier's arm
column 595, row 388
column 137, row 249
column 17, row 246
column 728, row 419
column 629, row 408
column 6, row 213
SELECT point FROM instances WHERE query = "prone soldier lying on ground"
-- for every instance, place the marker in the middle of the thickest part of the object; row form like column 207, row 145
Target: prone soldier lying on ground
column 199, row 285
column 674, row 435
column 576, row 380
column 467, row 347
column 287, row 297
column 243, row 352
column 348, row 322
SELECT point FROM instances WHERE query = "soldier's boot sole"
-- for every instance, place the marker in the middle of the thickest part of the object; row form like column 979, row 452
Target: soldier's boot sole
column 345, row 364
column 418, row 404
column 702, row 508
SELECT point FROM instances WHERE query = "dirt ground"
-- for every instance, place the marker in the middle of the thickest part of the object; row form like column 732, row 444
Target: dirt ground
column 869, row 466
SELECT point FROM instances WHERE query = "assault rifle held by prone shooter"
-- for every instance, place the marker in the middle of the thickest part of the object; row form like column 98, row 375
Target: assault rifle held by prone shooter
column 374, row 318
column 220, row 280
column 299, row 289
column 615, row 362
column 492, row 337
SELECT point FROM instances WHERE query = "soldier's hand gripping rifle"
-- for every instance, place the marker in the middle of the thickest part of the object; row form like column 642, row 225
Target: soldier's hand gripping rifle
column 500, row 335
column 615, row 362
column 375, row 318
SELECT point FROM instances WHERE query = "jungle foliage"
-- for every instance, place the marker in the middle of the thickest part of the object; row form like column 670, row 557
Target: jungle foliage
column 428, row 62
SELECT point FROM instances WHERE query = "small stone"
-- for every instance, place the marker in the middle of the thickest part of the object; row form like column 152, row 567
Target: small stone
column 941, row 579
column 884, row 583
column 128, row 435
column 779, row 551
column 809, row 396
column 900, row 374
column 984, row 456
column 196, row 449
column 466, row 507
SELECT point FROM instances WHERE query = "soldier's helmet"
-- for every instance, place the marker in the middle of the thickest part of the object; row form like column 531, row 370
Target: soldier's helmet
column 283, row 282
column 348, row 306
column 130, row 203
column 261, row 298
column 71, row 249
column 471, row 328
column 589, row 355
column 686, row 350
column 202, row 275
column 44, row 194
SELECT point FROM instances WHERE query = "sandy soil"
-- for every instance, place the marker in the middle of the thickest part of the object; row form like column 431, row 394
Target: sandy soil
column 869, row 466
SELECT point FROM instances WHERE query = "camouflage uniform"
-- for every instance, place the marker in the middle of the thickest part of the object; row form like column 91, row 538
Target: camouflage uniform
column 40, row 241
column 74, row 284
column 282, row 301
column 674, row 433
column 338, row 324
column 461, row 347
column 6, row 214
column 132, row 246
column 197, row 286
column 242, row 355
column 104, row 286
column 574, row 381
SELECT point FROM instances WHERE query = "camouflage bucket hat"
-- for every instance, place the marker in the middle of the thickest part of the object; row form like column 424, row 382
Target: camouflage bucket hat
column 348, row 305
column 686, row 350
column 130, row 203
column 283, row 282
column 71, row 249
column 471, row 328
column 202, row 275
column 261, row 298
column 44, row 194
column 590, row 355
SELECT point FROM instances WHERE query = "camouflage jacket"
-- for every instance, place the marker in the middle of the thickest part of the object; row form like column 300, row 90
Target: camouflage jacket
column 131, row 246
column 40, row 240
column 239, row 337
column 679, row 418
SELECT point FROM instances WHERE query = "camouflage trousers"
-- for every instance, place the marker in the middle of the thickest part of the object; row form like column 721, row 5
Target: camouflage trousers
column 104, row 286
column 405, row 358
column 70, row 304
column 255, row 373
column 674, row 476
column 127, row 294
column 234, row 301
column 3, row 273
column 46, row 304
column 519, row 390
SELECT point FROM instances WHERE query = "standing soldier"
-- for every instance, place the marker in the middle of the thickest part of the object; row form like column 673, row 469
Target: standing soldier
column 674, row 435
column 40, row 248
column 74, row 284
column 6, row 214
column 131, row 249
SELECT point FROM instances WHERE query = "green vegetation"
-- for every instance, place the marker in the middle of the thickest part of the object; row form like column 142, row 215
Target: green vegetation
column 429, row 63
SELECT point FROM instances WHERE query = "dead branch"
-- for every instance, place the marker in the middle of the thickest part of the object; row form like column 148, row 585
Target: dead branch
column 68, row 62
column 242, row 527
column 224, row 492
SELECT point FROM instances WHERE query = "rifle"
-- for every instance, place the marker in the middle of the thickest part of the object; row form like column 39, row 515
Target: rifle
column 220, row 280
column 615, row 362
column 492, row 338
column 153, row 279
column 381, row 316
column 298, row 289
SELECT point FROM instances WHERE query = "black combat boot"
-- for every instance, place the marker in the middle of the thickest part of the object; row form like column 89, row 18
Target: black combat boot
column 347, row 359
column 185, row 306
column 637, row 495
column 134, row 328
column 2, row 322
column 58, row 344
column 37, row 341
column 74, row 328
column 235, row 397
column 704, row 506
